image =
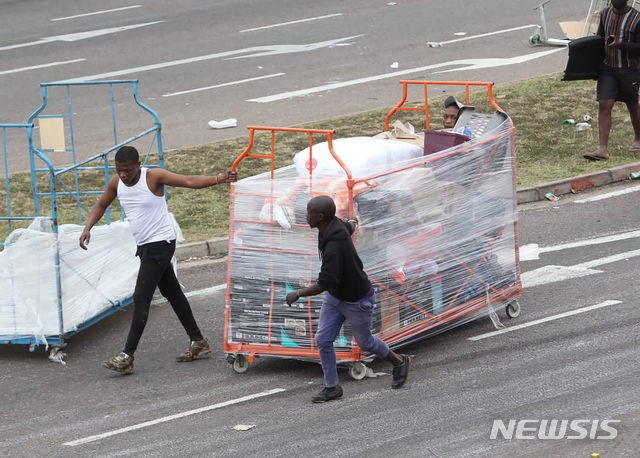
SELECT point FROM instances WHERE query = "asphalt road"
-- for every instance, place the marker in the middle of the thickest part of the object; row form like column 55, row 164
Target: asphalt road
column 582, row 366
column 199, row 61
column 571, row 355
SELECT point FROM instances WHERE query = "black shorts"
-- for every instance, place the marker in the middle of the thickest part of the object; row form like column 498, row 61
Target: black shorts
column 620, row 84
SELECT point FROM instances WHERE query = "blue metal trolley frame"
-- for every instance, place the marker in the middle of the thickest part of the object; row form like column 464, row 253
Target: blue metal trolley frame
column 64, row 181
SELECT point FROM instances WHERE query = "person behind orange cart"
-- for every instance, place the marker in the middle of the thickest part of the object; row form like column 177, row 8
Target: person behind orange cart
column 348, row 295
column 451, row 108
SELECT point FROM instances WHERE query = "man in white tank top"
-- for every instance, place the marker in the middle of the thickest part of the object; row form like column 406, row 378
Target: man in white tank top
column 141, row 194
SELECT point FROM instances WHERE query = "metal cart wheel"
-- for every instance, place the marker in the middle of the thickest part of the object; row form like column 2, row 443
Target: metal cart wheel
column 358, row 370
column 241, row 364
column 513, row 309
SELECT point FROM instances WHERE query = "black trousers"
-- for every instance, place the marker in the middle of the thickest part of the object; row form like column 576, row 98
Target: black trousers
column 156, row 271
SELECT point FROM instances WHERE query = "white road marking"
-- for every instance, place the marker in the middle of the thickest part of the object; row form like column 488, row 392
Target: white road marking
column 198, row 292
column 291, row 22
column 174, row 417
column 206, row 291
column 552, row 274
column 544, row 320
column 80, row 36
column 171, row 94
column 257, row 51
column 608, row 195
column 472, row 64
column 96, row 12
column 479, row 64
column 36, row 67
column 532, row 251
column 473, row 37
column 610, row 259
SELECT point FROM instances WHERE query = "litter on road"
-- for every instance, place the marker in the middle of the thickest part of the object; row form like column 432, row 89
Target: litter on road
column 243, row 427
column 231, row 122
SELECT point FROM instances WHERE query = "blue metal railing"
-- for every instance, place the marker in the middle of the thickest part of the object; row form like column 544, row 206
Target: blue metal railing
column 10, row 217
column 102, row 156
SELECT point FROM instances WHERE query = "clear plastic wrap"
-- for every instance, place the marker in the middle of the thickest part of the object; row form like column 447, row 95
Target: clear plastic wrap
column 91, row 281
column 437, row 236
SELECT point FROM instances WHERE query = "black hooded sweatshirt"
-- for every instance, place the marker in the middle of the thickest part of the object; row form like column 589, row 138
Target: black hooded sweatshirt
column 341, row 273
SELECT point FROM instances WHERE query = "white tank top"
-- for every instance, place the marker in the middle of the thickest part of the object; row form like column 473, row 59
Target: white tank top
column 147, row 213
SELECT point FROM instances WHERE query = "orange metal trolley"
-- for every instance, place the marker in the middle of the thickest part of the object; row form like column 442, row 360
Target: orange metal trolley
column 438, row 238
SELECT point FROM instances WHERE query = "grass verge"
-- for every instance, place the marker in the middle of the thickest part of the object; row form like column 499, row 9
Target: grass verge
column 545, row 150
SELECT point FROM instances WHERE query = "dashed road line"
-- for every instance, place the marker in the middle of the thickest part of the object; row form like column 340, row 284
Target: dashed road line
column 96, row 12
column 291, row 22
column 545, row 320
column 146, row 424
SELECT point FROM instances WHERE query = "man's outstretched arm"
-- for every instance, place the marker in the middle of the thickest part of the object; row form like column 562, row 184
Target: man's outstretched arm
column 164, row 177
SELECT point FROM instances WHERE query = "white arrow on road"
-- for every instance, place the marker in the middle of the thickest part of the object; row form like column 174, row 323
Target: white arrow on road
column 463, row 64
column 532, row 251
column 255, row 51
column 479, row 64
column 79, row 36
column 552, row 274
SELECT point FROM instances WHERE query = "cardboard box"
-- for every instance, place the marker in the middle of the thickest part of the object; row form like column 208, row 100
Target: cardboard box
column 576, row 29
column 399, row 131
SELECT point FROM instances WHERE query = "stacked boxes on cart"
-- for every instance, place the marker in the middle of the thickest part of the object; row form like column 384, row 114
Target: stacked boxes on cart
column 437, row 238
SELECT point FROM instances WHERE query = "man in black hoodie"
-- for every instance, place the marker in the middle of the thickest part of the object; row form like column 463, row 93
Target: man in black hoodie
column 348, row 295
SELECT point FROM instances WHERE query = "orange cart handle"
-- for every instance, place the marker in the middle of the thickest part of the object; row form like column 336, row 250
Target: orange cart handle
column 253, row 129
column 405, row 84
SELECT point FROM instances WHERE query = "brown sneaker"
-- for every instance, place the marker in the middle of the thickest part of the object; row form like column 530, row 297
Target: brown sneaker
column 122, row 363
column 196, row 350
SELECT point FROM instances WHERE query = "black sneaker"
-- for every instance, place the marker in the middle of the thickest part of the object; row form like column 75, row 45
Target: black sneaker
column 328, row 394
column 401, row 372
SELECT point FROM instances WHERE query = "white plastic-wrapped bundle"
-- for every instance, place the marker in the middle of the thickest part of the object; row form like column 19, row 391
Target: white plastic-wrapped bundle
column 438, row 239
column 362, row 155
column 91, row 281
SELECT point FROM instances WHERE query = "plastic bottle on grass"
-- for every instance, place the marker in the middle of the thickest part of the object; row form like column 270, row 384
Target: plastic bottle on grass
column 583, row 126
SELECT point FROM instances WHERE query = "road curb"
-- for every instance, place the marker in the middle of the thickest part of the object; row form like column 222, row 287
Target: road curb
column 217, row 246
column 578, row 183
column 211, row 247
